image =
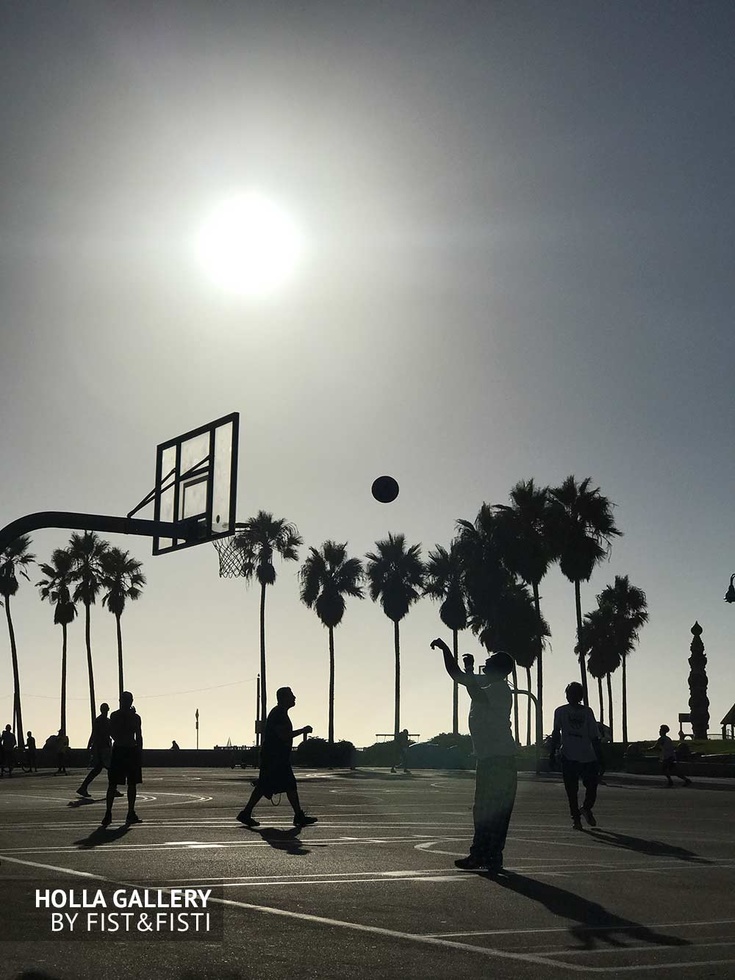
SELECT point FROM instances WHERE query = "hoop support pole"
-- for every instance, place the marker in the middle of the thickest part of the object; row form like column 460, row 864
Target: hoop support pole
column 95, row 522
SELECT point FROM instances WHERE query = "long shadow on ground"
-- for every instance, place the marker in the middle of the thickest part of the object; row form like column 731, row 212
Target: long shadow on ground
column 654, row 847
column 595, row 925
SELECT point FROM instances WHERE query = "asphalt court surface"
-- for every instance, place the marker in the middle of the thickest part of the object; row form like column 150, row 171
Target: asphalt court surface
column 371, row 890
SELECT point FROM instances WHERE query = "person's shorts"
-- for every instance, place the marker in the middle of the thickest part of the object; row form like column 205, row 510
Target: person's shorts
column 274, row 779
column 125, row 766
column 101, row 757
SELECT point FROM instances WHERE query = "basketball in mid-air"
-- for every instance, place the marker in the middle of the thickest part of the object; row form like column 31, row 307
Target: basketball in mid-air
column 385, row 489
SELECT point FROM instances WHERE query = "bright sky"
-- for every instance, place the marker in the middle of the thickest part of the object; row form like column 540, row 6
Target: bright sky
column 517, row 263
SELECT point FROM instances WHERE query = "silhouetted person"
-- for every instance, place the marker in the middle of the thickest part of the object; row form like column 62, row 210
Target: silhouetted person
column 175, row 746
column 127, row 753
column 62, row 749
column 32, row 756
column 276, row 775
column 669, row 765
column 100, row 745
column 496, row 777
column 402, row 743
column 576, row 737
column 8, row 743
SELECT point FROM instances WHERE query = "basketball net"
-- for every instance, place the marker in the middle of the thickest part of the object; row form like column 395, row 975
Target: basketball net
column 230, row 555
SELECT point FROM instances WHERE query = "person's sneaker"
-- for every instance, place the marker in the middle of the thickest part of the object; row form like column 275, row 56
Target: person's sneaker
column 133, row 817
column 392, row 768
column 589, row 816
column 468, row 864
column 83, row 792
column 301, row 820
column 106, row 820
column 246, row 819
column 117, row 793
column 577, row 824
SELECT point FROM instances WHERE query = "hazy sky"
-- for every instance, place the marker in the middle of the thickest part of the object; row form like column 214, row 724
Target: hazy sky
column 518, row 223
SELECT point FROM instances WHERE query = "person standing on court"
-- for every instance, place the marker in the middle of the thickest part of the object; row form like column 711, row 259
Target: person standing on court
column 401, row 744
column 576, row 737
column 8, row 744
column 669, row 766
column 32, row 756
column 100, row 745
column 276, row 775
column 496, row 777
column 125, row 762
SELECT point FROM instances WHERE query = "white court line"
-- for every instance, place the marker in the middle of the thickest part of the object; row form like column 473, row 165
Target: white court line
column 413, row 937
column 518, row 932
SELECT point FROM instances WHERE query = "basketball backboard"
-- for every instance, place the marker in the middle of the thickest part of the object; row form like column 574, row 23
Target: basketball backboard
column 196, row 480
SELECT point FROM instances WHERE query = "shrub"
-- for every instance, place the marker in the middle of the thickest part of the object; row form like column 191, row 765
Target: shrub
column 318, row 752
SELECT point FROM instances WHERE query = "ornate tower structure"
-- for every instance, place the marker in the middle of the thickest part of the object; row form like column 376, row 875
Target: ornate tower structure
column 698, row 700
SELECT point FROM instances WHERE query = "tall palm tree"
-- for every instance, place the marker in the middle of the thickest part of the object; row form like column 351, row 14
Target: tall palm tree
column 87, row 551
column 582, row 528
column 526, row 541
column 56, row 587
column 327, row 576
column 628, row 610
column 14, row 560
column 444, row 581
column 123, row 580
column 262, row 537
column 395, row 576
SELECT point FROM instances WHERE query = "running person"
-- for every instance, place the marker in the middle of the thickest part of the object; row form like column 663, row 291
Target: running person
column 576, row 736
column 669, row 766
column 125, row 762
column 276, row 775
column 100, row 745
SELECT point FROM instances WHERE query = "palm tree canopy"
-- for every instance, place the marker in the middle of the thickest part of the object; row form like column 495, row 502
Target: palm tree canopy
column 628, row 610
column 263, row 537
column 14, row 560
column 523, row 530
column 444, row 580
column 395, row 575
column 327, row 576
column 87, row 551
column 56, row 586
column 514, row 626
column 122, row 578
column 597, row 642
column 582, row 527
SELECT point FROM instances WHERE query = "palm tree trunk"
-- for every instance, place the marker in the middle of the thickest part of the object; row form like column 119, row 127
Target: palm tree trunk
column 455, row 686
column 331, row 685
column 90, row 669
column 528, row 708
column 263, row 694
column 63, row 677
column 582, row 669
column 397, row 648
column 625, row 703
column 516, row 723
column 539, row 671
column 610, row 705
column 17, row 711
column 120, row 682
column 602, row 703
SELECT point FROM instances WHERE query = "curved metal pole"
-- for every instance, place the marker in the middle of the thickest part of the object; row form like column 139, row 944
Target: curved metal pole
column 539, row 724
column 95, row 522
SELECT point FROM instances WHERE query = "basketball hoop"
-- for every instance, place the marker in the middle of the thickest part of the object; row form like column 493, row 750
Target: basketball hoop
column 228, row 548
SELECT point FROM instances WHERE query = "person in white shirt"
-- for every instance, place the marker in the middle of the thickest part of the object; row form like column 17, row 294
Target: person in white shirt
column 496, row 777
column 669, row 766
column 576, row 737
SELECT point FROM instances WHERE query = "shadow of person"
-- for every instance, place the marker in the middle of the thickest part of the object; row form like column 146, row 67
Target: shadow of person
column 101, row 835
column 595, row 925
column 283, row 840
column 75, row 804
column 655, row 847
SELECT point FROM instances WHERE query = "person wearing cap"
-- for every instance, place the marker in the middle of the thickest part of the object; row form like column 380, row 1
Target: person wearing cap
column 496, row 777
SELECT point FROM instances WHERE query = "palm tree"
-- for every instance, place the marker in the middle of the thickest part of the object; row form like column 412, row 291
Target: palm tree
column 87, row 551
column 526, row 542
column 14, row 560
column 395, row 577
column 327, row 576
column 56, row 587
column 582, row 528
column 123, row 579
column 444, row 581
column 628, row 609
column 598, row 645
column 262, row 537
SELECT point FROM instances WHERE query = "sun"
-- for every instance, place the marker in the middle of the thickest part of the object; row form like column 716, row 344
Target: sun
column 249, row 245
